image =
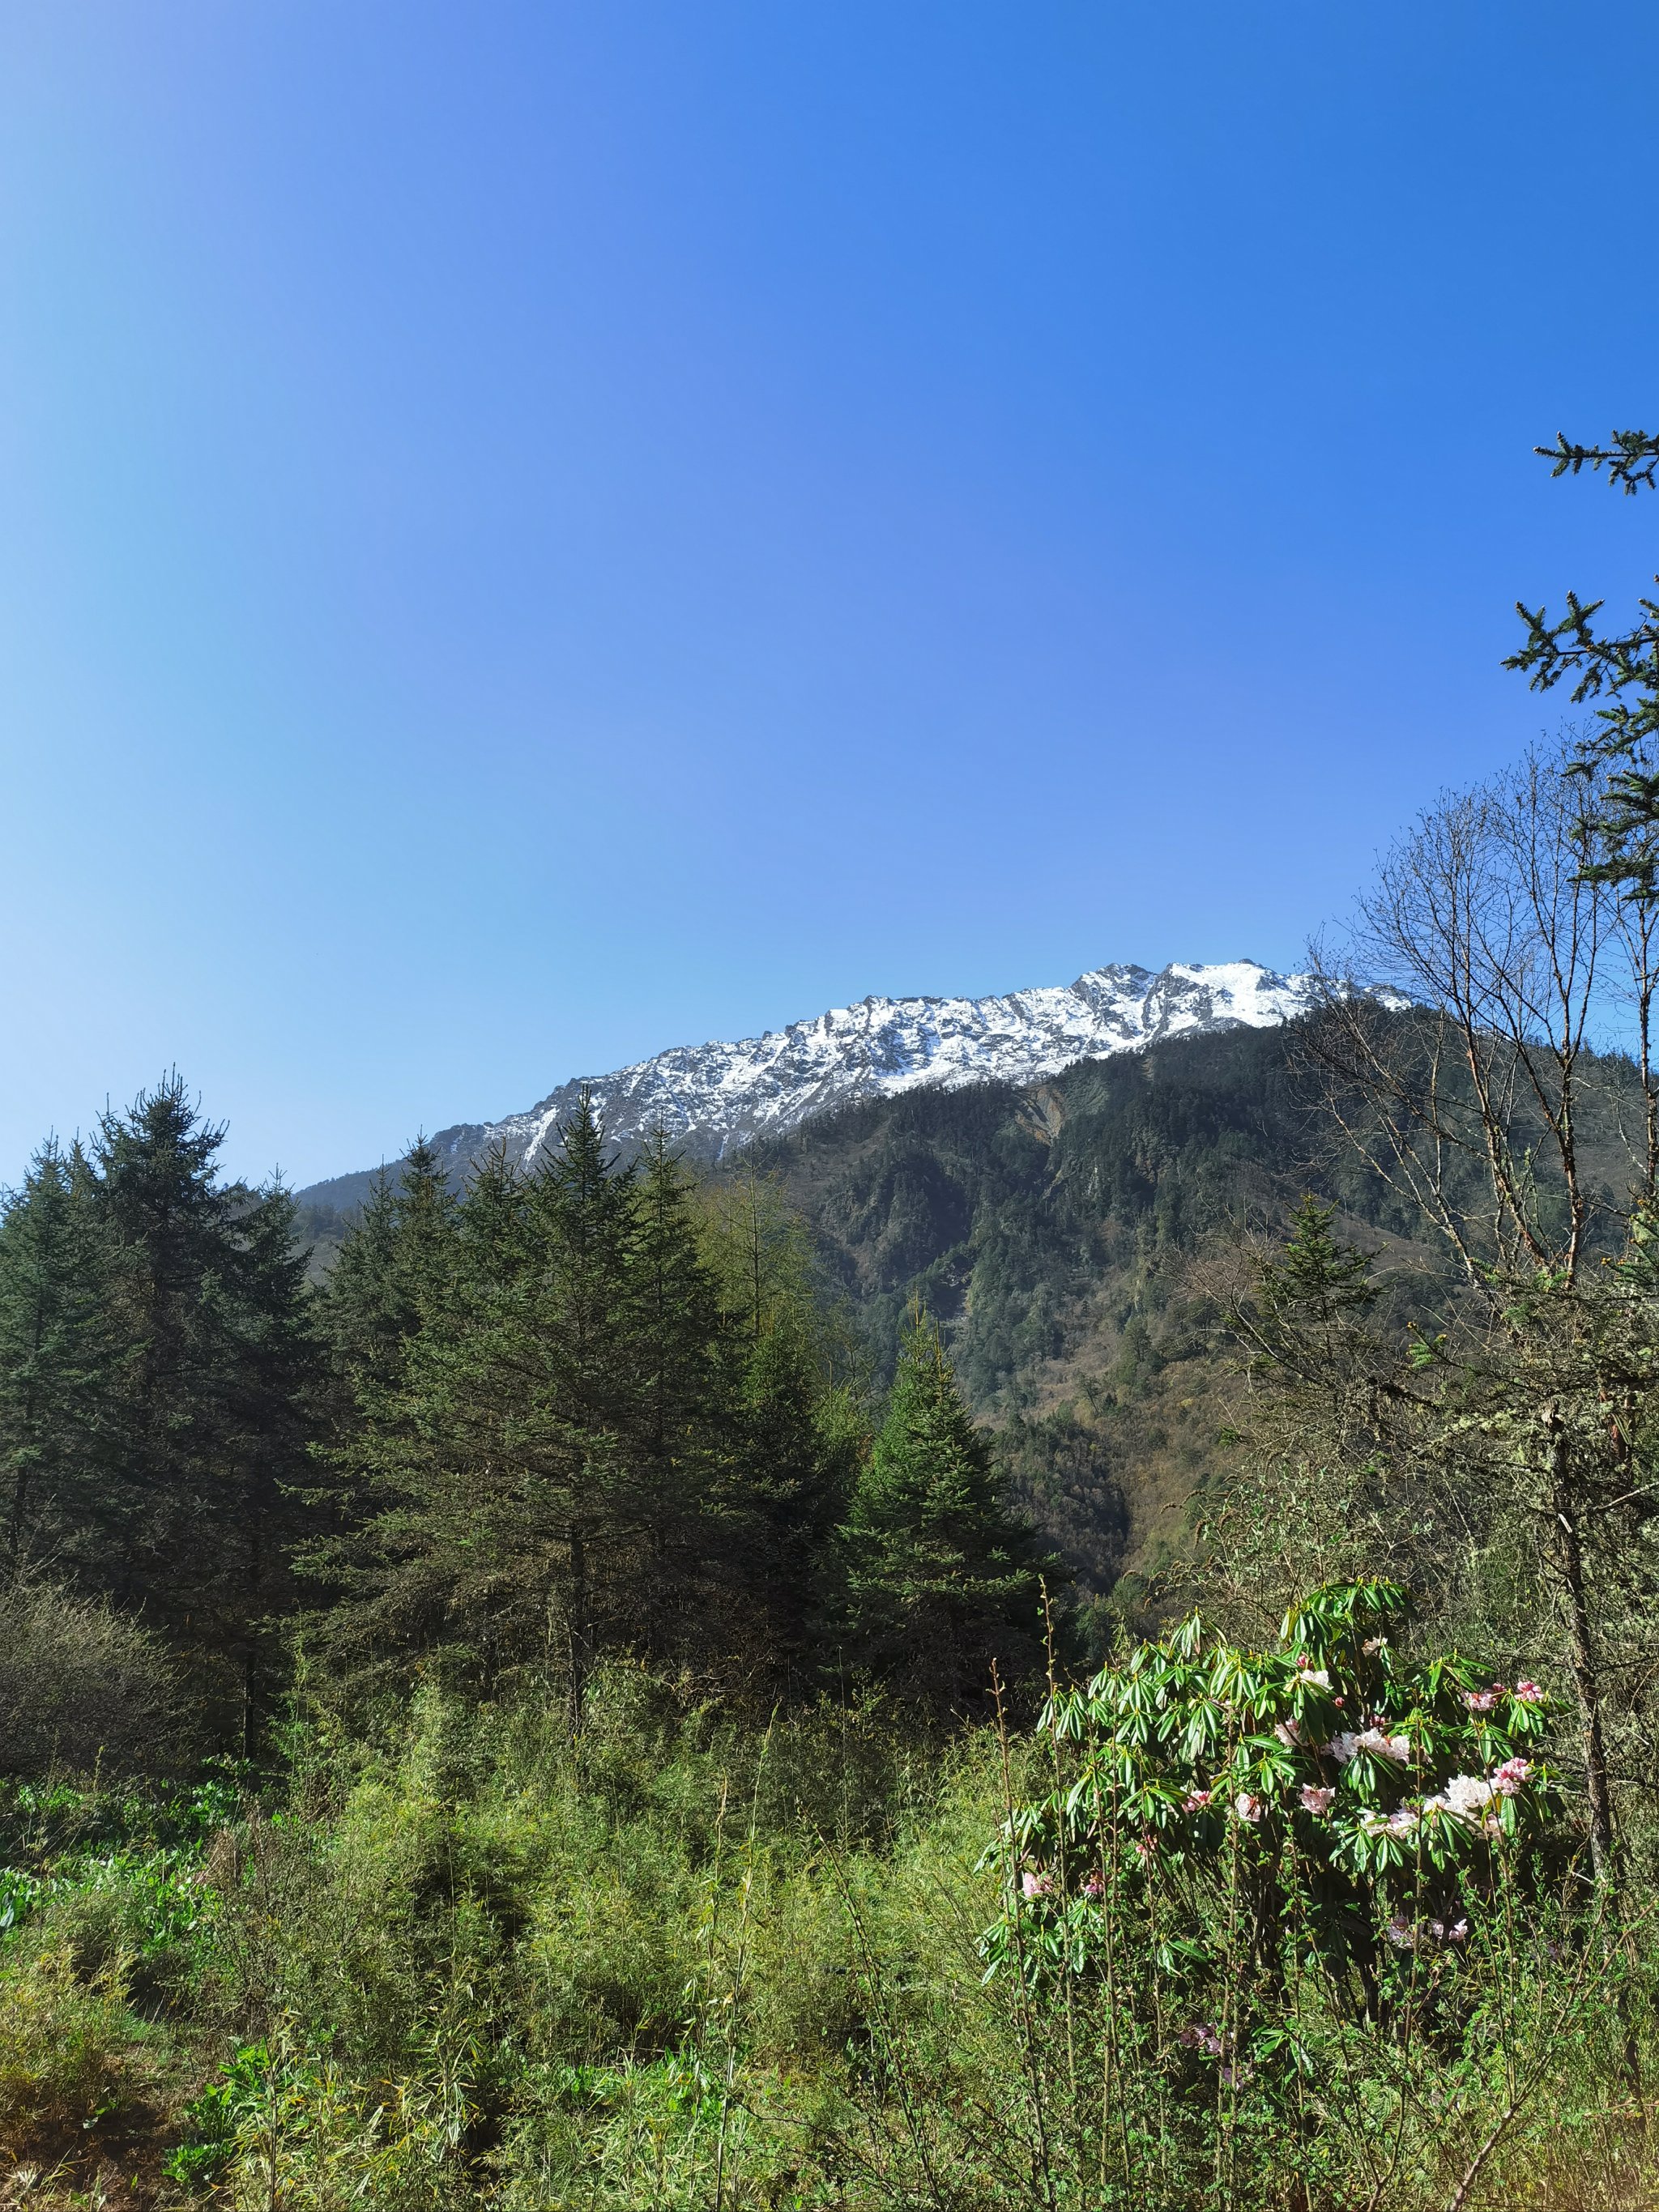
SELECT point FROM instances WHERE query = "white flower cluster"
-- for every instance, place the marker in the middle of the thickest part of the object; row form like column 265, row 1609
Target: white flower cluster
column 1372, row 1740
column 1467, row 1796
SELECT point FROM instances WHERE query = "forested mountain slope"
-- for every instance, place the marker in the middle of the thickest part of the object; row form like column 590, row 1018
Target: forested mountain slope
column 1075, row 1237
column 1059, row 1232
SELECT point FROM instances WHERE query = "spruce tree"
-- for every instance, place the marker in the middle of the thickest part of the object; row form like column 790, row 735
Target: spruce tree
column 503, row 1471
column 59, row 1361
column 209, row 1419
column 797, row 1431
column 395, row 1265
column 942, row 1575
column 687, row 1434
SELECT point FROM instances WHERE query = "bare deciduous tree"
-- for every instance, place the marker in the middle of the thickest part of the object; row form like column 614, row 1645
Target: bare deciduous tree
column 1497, row 1072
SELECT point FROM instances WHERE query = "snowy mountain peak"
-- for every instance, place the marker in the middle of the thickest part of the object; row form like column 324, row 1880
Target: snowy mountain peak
column 711, row 1098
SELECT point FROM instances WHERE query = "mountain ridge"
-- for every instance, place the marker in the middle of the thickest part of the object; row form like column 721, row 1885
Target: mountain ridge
column 713, row 1098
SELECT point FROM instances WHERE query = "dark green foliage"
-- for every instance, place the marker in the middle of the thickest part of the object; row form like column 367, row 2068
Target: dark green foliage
column 156, row 1371
column 60, row 1352
column 210, row 1423
column 1306, row 1316
column 943, row 1580
column 1314, row 1277
column 395, row 1267
column 589, row 1426
column 1005, row 1212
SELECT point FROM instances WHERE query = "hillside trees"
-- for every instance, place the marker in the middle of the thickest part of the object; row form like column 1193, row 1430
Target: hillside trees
column 59, row 1360
column 942, row 1575
column 599, row 1424
column 614, row 1418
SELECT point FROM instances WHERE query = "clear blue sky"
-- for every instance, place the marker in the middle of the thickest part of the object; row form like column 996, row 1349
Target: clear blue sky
column 533, row 532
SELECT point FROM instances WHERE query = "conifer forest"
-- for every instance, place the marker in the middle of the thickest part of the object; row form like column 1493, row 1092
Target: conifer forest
column 1083, row 1646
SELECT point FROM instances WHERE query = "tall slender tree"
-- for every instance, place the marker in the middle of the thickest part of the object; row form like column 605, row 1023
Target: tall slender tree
column 60, row 1358
column 943, row 1576
column 209, row 1418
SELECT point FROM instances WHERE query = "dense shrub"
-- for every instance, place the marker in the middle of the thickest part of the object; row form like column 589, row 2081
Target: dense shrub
column 82, row 1687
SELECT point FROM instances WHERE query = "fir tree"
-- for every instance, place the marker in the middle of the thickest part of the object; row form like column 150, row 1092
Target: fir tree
column 501, row 1468
column 209, row 1421
column 1305, row 1324
column 942, row 1575
column 797, row 1431
column 687, row 1433
column 395, row 1265
column 59, row 1357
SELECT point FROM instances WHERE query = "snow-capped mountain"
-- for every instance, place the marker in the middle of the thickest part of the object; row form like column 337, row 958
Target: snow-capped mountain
column 711, row 1098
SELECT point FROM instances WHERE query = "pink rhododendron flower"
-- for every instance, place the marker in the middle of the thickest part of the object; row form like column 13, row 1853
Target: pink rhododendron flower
column 1248, row 1807
column 1343, row 1747
column 1404, row 1822
column 1200, row 2036
column 1147, row 1848
column 1316, row 1799
column 1094, row 1889
column 1530, row 1694
column 1373, row 1643
column 1480, row 1701
column 1511, row 1777
column 1401, row 1933
column 1196, row 1800
column 1038, row 1884
column 1288, row 1734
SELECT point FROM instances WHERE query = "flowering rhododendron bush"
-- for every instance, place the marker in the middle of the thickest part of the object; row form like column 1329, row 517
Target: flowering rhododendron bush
column 1257, row 1874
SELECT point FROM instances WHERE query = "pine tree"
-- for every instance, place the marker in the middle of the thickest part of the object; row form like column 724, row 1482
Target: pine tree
column 59, row 1357
column 687, row 1435
column 502, row 1469
column 396, row 1264
column 942, row 1575
column 798, row 1431
column 1314, row 1277
column 208, row 1420
column 1305, row 1324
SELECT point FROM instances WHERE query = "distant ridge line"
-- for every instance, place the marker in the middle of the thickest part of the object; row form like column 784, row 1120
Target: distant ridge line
column 712, row 1099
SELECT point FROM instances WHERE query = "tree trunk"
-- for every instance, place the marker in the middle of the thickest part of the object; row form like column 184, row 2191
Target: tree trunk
column 1581, row 1648
column 577, row 1690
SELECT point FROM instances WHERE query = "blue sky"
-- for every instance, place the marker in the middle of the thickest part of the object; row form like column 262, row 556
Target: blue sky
column 532, row 533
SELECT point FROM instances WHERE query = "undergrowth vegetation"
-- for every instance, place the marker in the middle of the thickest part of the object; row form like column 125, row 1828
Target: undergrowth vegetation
column 1175, row 1945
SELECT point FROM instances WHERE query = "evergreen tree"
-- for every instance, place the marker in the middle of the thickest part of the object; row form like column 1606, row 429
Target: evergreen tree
column 942, row 1575
column 208, row 1420
column 505, row 1468
column 1306, row 1321
column 59, row 1357
column 798, row 1430
column 789, row 1484
column 687, row 1435
column 396, row 1265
